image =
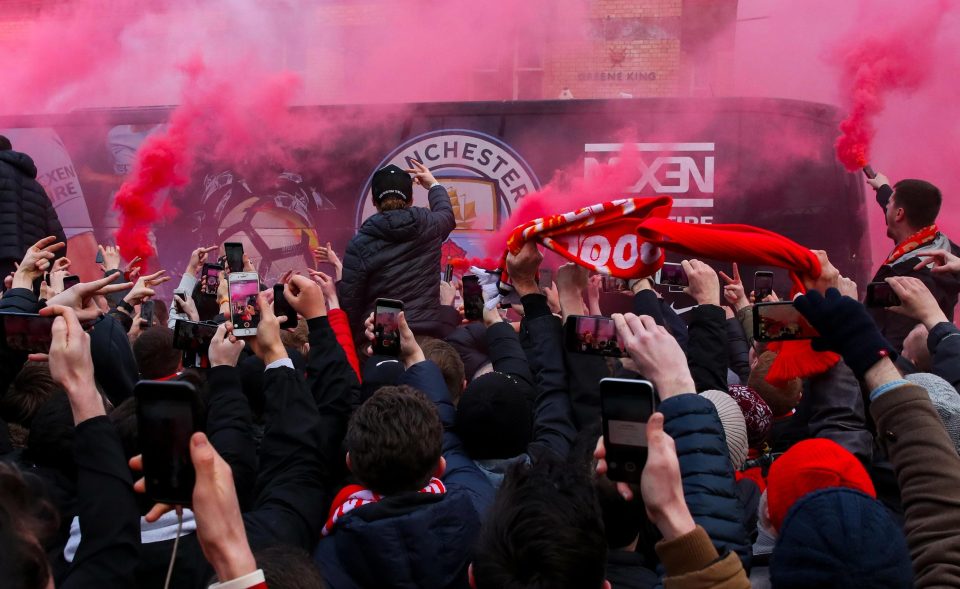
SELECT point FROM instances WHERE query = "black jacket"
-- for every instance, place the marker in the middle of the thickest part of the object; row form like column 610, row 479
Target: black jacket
column 707, row 348
column 396, row 255
column 26, row 214
column 944, row 345
column 944, row 287
column 708, row 481
column 413, row 540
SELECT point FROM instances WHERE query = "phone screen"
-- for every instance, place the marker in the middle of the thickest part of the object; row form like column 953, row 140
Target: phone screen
column 762, row 285
column 166, row 418
column 26, row 332
column 773, row 322
column 626, row 406
column 281, row 306
column 386, row 327
column 193, row 337
column 210, row 279
column 592, row 335
column 673, row 275
column 146, row 311
column 546, row 279
column 174, row 303
column 234, row 252
column 472, row 298
column 70, row 281
column 244, row 310
column 880, row 294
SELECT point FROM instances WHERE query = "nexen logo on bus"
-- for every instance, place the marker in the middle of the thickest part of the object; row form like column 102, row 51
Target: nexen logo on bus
column 668, row 173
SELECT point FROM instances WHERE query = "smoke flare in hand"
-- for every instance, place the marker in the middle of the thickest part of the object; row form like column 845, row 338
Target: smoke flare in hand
column 875, row 66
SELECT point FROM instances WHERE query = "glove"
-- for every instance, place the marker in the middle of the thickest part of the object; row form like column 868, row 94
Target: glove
column 845, row 328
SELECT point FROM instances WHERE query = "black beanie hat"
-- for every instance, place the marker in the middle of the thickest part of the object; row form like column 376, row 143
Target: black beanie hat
column 392, row 180
column 494, row 417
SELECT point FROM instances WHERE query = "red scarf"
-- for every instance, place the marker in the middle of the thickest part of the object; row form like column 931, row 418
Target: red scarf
column 624, row 238
column 918, row 239
column 354, row 496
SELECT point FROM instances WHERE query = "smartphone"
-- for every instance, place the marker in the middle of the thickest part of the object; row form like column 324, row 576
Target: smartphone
column 168, row 413
column 869, row 172
column 448, row 273
column 386, row 327
column 774, row 322
column 178, row 293
column 70, row 281
column 672, row 275
column 880, row 294
column 146, row 312
column 281, row 306
column 27, row 332
column 472, row 297
column 244, row 310
column 614, row 284
column 210, row 279
column 234, row 252
column 625, row 406
column 593, row 335
column 99, row 258
column 193, row 336
column 762, row 285
column 546, row 278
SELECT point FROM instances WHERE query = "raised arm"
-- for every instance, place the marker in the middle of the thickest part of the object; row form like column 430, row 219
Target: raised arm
column 707, row 347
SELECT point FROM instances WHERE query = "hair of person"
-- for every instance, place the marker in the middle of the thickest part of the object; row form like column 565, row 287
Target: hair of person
column 32, row 387
column 544, row 531
column 51, row 435
column 287, row 567
column 393, row 203
column 296, row 339
column 161, row 313
column 156, row 357
column 27, row 522
column 448, row 360
column 920, row 200
column 5, row 144
column 395, row 440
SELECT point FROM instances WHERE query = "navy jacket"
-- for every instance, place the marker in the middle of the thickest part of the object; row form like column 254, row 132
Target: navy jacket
column 26, row 214
column 708, row 482
column 944, row 345
column 413, row 540
column 396, row 255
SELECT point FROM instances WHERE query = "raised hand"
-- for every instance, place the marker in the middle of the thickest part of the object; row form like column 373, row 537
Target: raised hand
column 522, row 269
column 80, row 297
column 36, row 261
column 704, row 285
column 325, row 254
column 733, row 291
column 656, row 353
column 940, row 262
column 198, row 258
column 143, row 289
column 829, row 275
column 329, row 287
column 421, row 175
column 224, row 347
column 916, row 301
column 306, row 297
column 111, row 257
column 71, row 363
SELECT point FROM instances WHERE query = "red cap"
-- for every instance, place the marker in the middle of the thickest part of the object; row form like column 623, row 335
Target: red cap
column 807, row 467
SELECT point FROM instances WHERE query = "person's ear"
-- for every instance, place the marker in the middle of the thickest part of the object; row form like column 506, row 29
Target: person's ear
column 900, row 214
column 441, row 466
column 470, row 578
column 349, row 465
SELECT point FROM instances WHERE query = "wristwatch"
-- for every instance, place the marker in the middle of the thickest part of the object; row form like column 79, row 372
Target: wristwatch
column 126, row 307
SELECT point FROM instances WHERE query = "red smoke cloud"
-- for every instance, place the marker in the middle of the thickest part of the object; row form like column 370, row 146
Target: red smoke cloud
column 876, row 65
column 568, row 191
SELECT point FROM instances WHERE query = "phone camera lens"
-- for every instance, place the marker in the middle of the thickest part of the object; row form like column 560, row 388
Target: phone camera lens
column 630, row 467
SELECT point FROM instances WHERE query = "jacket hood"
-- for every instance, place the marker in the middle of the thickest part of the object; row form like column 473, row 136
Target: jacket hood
column 21, row 161
column 410, row 541
column 394, row 226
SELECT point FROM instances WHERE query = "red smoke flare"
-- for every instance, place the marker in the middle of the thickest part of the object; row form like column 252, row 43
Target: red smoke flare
column 875, row 66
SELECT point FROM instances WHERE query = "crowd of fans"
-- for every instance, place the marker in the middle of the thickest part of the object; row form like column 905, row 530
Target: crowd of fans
column 475, row 458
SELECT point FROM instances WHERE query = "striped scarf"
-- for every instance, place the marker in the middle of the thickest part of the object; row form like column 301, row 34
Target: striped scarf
column 915, row 241
column 354, row 496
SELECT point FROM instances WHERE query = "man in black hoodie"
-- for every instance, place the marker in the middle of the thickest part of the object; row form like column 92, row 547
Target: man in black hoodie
column 396, row 252
column 26, row 214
